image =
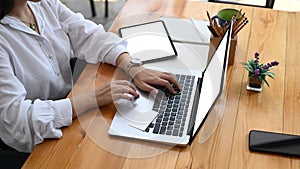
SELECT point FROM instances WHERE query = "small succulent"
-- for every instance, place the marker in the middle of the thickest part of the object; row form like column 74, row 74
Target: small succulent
column 259, row 70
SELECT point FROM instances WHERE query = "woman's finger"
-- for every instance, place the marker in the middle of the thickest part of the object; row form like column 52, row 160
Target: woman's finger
column 123, row 83
column 146, row 87
column 171, row 78
column 167, row 84
column 125, row 89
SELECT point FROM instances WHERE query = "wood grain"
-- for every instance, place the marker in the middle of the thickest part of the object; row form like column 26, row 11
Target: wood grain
column 136, row 11
column 220, row 123
column 262, row 111
column 222, row 141
column 292, row 88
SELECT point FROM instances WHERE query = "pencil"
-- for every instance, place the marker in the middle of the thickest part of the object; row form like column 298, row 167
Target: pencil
column 240, row 28
column 216, row 28
column 239, row 24
column 209, row 18
column 239, row 21
column 238, row 14
column 213, row 32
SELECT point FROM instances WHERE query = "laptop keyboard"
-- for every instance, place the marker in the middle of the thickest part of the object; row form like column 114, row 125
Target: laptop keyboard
column 172, row 109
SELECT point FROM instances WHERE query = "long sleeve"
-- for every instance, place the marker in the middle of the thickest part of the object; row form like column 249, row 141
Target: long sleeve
column 35, row 73
column 25, row 123
column 89, row 41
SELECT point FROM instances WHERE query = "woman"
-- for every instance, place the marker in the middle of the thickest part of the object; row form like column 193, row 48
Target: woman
column 36, row 40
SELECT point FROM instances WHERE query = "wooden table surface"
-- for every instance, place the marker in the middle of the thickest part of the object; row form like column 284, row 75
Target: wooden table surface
column 223, row 140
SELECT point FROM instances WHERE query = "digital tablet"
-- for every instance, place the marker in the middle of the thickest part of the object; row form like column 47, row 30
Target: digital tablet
column 149, row 41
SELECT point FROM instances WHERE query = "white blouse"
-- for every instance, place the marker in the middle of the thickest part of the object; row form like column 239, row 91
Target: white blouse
column 35, row 73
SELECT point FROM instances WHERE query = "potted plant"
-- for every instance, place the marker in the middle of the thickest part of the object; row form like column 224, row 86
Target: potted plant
column 257, row 72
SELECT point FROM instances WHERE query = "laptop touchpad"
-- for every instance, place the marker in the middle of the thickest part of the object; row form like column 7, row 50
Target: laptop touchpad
column 139, row 113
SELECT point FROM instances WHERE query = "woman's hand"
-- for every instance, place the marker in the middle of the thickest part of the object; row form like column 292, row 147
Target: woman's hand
column 113, row 91
column 103, row 95
column 146, row 78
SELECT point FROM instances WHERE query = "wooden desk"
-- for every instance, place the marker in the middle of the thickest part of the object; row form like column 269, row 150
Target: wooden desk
column 223, row 140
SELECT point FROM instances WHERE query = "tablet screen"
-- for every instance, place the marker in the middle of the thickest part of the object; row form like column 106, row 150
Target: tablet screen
column 149, row 42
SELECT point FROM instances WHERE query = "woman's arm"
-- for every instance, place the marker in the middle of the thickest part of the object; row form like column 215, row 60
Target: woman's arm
column 89, row 41
column 23, row 122
column 94, row 44
column 145, row 78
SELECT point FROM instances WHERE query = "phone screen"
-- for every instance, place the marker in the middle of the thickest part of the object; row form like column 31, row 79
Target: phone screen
column 277, row 143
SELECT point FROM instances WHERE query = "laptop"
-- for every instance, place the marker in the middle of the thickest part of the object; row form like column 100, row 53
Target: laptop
column 175, row 119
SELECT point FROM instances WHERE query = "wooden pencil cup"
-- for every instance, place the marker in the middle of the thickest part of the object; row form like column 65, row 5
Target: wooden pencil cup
column 214, row 41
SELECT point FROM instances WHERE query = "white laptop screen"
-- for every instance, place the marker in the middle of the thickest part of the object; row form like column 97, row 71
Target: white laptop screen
column 213, row 81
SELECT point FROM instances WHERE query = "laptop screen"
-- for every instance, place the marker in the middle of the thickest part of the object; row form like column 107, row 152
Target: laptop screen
column 213, row 80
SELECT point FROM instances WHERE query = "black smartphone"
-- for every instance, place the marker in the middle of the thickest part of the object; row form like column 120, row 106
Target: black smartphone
column 276, row 143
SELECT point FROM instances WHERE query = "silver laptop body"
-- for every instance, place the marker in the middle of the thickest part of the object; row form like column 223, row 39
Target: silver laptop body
column 207, row 86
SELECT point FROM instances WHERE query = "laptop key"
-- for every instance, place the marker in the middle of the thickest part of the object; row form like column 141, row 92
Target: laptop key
column 175, row 132
column 180, row 134
column 165, row 119
column 162, row 130
column 158, row 120
column 156, row 129
column 167, row 114
column 171, row 122
column 157, row 100
column 173, row 108
column 147, row 129
column 168, row 132
column 180, row 112
column 151, row 125
column 170, row 127
column 172, row 118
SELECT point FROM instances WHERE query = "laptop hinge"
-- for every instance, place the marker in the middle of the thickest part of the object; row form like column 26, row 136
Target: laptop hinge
column 195, row 107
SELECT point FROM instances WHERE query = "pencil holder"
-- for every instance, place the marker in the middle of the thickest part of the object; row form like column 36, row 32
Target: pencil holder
column 214, row 42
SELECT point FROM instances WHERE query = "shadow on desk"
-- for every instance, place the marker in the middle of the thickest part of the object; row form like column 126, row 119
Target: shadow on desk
column 77, row 67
